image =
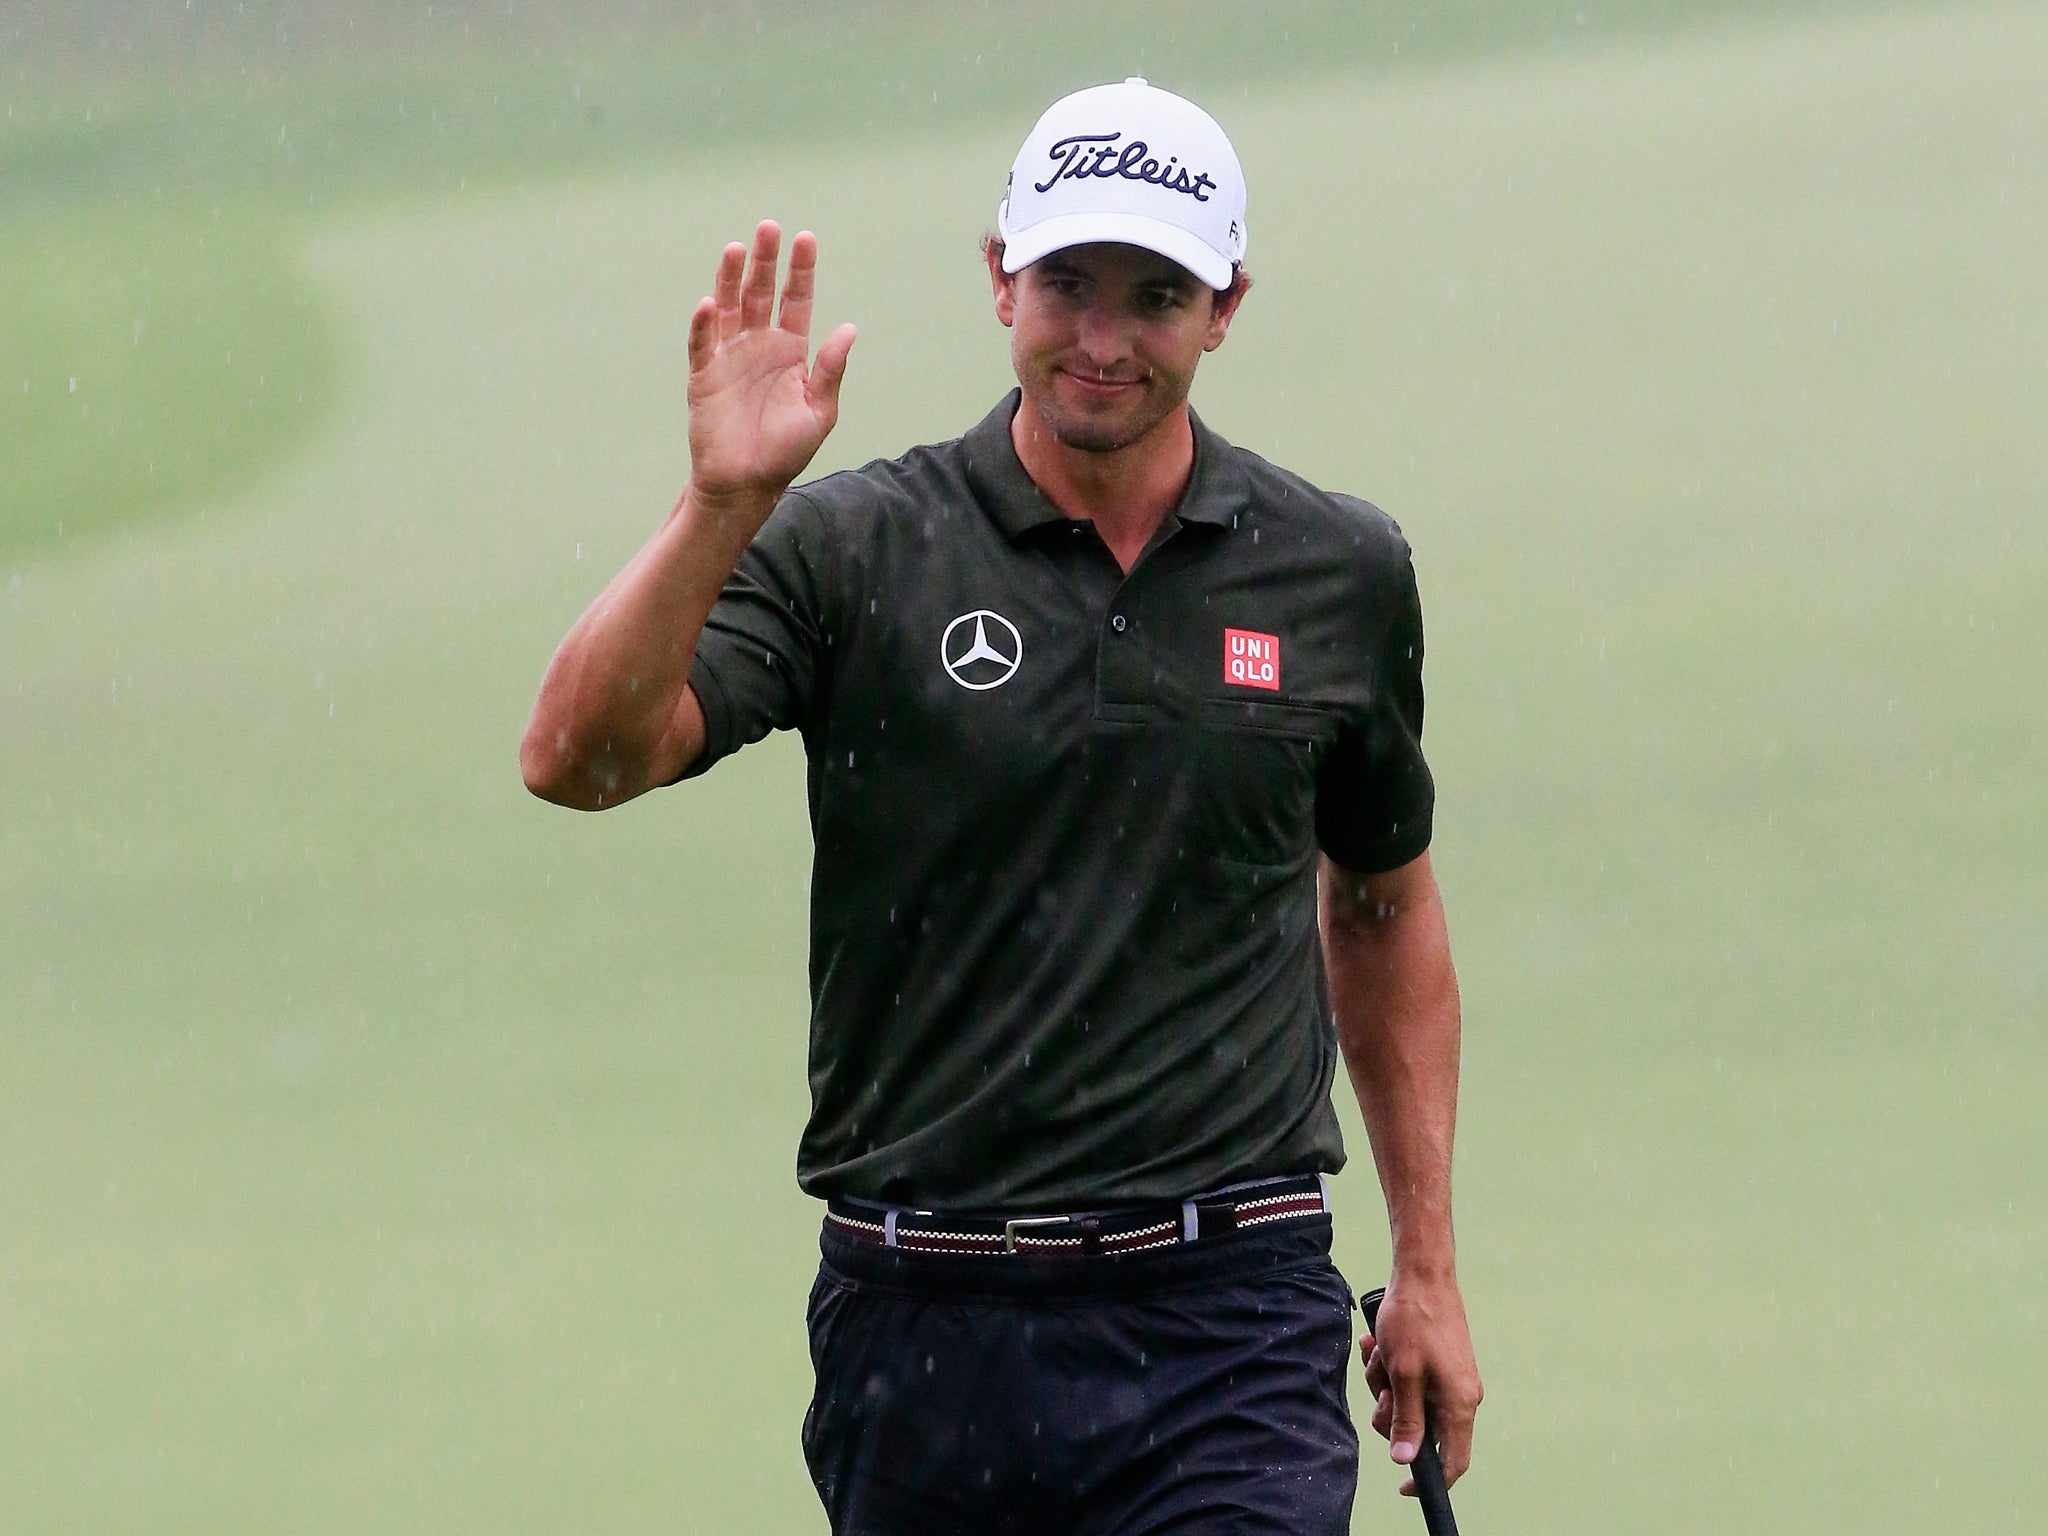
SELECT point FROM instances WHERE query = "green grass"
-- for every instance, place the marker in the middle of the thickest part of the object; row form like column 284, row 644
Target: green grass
column 151, row 363
column 359, row 1116
column 161, row 163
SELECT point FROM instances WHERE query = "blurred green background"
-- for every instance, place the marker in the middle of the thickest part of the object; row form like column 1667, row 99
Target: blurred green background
column 383, row 1150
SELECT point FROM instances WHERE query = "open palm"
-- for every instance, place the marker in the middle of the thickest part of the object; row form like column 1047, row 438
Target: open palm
column 758, row 407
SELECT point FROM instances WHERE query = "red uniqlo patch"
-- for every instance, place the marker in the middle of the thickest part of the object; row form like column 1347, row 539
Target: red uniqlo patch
column 1250, row 659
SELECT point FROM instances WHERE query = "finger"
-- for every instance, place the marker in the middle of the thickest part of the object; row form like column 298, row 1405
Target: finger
column 830, row 369
column 725, row 289
column 703, row 333
column 1383, row 1416
column 1375, row 1366
column 757, row 293
column 1407, row 1436
column 1454, row 1446
column 801, row 284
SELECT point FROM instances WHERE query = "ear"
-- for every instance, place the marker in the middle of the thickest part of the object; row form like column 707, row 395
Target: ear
column 1224, row 309
column 1003, row 285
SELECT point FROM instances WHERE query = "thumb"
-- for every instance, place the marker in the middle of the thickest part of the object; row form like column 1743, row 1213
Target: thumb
column 830, row 369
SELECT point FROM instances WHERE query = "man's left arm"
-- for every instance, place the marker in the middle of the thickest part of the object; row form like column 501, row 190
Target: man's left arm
column 1388, row 955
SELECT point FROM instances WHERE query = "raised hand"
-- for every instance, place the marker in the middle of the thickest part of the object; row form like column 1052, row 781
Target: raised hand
column 759, row 407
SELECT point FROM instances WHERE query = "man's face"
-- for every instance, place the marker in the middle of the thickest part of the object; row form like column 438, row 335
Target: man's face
column 1105, row 339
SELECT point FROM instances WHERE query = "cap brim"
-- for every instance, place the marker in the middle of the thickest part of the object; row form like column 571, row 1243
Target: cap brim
column 1063, row 230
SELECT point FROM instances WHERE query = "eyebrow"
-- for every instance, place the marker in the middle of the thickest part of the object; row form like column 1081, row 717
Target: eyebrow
column 1174, row 282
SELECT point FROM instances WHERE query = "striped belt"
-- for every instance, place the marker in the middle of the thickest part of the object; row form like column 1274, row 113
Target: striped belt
column 1084, row 1234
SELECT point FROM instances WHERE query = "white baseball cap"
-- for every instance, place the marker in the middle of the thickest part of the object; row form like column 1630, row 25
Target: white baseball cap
column 1128, row 163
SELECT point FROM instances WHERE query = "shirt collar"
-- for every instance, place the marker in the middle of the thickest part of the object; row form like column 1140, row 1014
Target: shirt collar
column 1217, row 491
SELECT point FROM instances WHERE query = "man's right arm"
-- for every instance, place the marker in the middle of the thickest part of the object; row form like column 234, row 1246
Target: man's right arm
column 616, row 716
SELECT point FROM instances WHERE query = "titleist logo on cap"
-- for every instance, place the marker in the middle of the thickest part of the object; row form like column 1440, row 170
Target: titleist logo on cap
column 1082, row 155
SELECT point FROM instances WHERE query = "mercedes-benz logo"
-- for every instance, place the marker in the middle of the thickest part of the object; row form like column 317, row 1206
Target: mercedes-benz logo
column 969, row 657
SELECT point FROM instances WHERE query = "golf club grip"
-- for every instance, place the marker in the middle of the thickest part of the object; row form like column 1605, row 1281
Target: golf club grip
column 1427, row 1469
column 1430, row 1492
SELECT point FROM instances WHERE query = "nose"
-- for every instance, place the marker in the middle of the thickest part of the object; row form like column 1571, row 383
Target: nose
column 1102, row 337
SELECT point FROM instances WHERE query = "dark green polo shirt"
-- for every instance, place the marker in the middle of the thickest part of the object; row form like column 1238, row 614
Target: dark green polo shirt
column 1063, row 911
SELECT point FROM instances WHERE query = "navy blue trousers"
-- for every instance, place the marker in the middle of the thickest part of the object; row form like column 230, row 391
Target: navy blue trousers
column 1189, row 1390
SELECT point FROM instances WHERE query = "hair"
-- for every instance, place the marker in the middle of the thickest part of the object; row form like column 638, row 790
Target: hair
column 993, row 245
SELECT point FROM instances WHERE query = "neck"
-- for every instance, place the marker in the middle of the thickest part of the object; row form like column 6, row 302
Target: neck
column 1126, row 493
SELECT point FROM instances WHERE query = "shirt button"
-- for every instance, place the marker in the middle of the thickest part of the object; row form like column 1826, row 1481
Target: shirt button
column 1117, row 623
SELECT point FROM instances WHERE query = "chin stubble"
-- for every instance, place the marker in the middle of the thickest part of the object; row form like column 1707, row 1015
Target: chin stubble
column 1094, row 437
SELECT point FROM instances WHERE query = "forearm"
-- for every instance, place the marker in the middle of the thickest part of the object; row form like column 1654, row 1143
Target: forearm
column 615, row 717
column 1396, row 999
column 1395, row 995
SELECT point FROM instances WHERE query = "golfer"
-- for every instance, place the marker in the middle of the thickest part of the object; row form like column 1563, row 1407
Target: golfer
column 1121, row 826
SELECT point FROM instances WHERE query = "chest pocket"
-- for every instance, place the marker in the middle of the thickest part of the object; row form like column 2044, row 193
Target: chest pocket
column 1255, row 779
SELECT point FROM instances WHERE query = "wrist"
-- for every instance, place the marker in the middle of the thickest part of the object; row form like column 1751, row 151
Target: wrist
column 741, row 501
column 1410, row 1278
column 1425, row 1260
column 729, row 515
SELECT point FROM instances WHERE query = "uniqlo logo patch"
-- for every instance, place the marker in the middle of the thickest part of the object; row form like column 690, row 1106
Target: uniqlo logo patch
column 1250, row 659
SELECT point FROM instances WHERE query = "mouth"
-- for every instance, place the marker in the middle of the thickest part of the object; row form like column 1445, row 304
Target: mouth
column 1096, row 386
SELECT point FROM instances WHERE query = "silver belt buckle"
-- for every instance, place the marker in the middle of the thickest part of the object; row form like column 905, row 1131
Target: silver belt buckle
column 1023, row 1223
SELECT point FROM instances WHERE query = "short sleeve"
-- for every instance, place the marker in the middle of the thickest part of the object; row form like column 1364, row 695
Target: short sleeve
column 761, row 659
column 1374, row 794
